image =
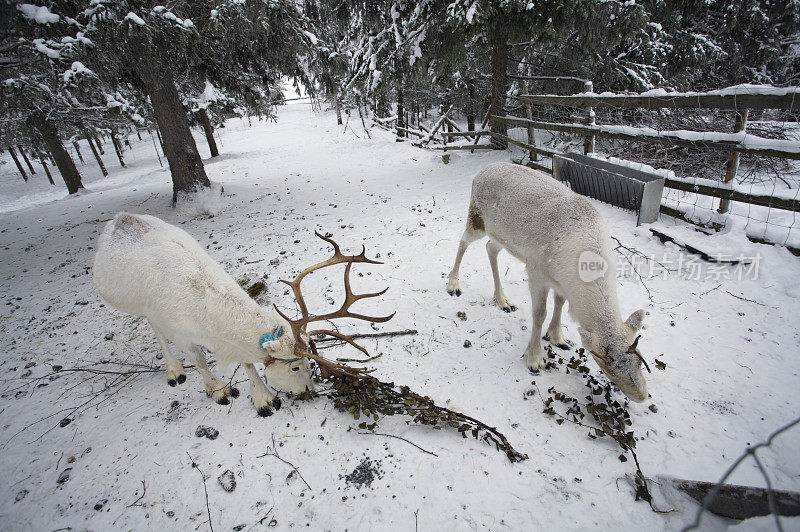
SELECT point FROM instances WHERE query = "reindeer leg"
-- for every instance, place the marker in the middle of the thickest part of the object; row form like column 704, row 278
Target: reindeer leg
column 471, row 234
column 261, row 396
column 175, row 371
column 533, row 354
column 554, row 333
column 216, row 388
column 493, row 249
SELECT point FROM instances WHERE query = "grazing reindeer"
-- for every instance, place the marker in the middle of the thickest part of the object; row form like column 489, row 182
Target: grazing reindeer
column 565, row 245
column 147, row 267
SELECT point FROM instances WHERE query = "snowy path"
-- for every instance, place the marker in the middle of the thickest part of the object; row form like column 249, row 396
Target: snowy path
column 731, row 375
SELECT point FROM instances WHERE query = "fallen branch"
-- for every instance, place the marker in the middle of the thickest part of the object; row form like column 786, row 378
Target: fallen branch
column 356, row 359
column 401, row 438
column 370, row 335
column 370, row 397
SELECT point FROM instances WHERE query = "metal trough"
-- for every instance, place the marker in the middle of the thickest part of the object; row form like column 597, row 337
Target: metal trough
column 612, row 183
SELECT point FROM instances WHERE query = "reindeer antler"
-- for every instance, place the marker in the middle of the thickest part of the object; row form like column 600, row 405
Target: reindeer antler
column 299, row 325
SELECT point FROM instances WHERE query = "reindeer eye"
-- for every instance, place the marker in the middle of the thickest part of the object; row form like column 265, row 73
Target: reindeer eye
column 296, row 369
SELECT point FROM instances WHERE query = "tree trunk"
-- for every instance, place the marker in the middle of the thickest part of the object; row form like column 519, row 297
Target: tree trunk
column 99, row 144
column 27, row 161
column 19, row 165
column 96, row 155
column 400, row 113
column 46, row 170
column 361, row 115
column 499, row 42
column 63, row 161
column 209, row 131
column 338, row 105
column 118, row 149
column 185, row 163
column 138, row 134
column 78, row 151
column 471, row 106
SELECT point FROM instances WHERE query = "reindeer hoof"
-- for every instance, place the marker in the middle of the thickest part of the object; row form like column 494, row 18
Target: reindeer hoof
column 223, row 401
column 234, row 392
column 534, row 371
column 264, row 411
column 566, row 345
column 276, row 404
column 172, row 382
column 509, row 309
column 181, row 379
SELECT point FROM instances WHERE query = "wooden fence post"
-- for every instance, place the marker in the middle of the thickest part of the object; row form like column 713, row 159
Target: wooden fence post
column 732, row 165
column 588, row 141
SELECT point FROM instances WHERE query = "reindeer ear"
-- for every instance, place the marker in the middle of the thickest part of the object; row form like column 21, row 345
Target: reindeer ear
column 588, row 338
column 635, row 320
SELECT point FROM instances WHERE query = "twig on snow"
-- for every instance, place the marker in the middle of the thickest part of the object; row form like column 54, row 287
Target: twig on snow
column 370, row 335
column 273, row 451
column 205, row 488
column 748, row 300
column 401, row 438
column 144, row 491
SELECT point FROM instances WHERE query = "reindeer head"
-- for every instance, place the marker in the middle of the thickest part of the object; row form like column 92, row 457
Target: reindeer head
column 617, row 354
column 304, row 347
column 289, row 372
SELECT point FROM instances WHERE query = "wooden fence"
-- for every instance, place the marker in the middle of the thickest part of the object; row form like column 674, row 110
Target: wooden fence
column 733, row 143
column 440, row 136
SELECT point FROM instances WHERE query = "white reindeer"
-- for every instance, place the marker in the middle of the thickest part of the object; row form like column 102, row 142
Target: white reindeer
column 555, row 232
column 147, row 267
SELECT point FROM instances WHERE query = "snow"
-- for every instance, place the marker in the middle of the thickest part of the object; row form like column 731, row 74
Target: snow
column 730, row 349
column 311, row 37
column 38, row 14
column 746, row 140
column 133, row 17
column 473, row 9
column 41, row 47
column 209, row 95
column 76, row 69
column 744, row 88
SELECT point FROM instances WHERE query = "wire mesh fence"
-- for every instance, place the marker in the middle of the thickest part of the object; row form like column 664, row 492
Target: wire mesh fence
column 773, row 500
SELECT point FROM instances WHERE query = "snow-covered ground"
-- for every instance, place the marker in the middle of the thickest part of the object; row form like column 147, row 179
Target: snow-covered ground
column 730, row 346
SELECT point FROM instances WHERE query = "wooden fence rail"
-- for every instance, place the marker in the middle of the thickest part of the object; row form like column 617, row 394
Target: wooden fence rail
column 783, row 148
column 789, row 100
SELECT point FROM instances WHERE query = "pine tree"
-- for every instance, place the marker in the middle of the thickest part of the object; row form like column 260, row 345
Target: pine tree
column 241, row 48
column 35, row 97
